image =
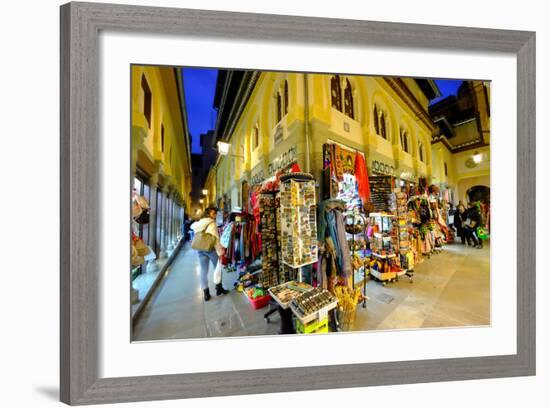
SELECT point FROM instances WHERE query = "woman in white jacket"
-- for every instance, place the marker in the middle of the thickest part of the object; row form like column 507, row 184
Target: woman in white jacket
column 208, row 224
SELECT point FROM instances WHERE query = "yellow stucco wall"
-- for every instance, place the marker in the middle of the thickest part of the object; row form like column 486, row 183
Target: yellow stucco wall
column 171, row 162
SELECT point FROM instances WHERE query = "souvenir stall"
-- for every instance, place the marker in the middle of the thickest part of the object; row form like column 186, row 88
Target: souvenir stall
column 238, row 237
column 421, row 220
column 438, row 207
column 258, row 248
column 403, row 235
column 299, row 248
column 384, row 263
column 346, row 178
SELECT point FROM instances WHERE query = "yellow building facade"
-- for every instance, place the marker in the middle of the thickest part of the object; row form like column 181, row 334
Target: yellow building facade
column 288, row 117
column 272, row 133
column 161, row 165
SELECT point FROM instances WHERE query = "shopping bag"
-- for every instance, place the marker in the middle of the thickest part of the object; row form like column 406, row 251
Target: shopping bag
column 482, row 233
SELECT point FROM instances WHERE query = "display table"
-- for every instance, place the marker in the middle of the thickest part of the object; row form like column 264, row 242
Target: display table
column 283, row 295
column 311, row 310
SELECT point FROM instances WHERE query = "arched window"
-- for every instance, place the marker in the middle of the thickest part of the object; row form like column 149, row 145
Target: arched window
column 383, row 126
column 375, row 120
column 147, row 99
column 336, row 93
column 279, row 107
column 255, row 137
column 348, row 100
column 404, row 136
column 282, row 101
column 286, row 97
column 336, row 96
column 421, row 151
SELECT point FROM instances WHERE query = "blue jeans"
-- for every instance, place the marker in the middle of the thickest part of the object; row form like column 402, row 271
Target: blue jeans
column 204, row 257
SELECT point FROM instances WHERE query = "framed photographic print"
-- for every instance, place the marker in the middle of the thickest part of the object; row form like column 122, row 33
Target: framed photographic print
column 286, row 186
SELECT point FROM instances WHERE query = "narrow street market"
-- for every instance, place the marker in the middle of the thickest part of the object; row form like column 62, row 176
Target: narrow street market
column 310, row 203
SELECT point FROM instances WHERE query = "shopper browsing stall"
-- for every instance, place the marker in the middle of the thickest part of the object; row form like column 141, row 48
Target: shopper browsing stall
column 459, row 214
column 207, row 243
column 473, row 221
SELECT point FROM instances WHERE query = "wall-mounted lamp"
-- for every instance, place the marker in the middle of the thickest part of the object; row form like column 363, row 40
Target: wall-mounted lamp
column 201, row 201
column 477, row 157
column 205, row 192
column 223, row 150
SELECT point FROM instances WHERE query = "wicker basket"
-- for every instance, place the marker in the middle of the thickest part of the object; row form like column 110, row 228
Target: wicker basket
column 346, row 319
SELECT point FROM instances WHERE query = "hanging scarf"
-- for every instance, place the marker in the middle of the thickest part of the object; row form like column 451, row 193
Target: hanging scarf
column 226, row 235
column 362, row 178
column 338, row 167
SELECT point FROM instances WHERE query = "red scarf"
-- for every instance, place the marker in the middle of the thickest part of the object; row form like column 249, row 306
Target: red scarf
column 362, row 177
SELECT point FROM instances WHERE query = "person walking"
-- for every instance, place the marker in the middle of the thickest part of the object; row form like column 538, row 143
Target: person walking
column 207, row 224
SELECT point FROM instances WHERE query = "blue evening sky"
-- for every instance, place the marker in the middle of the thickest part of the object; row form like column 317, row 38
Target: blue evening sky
column 447, row 87
column 199, row 87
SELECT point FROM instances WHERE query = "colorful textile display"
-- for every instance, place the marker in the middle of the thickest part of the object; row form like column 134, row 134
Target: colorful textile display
column 336, row 251
column 338, row 166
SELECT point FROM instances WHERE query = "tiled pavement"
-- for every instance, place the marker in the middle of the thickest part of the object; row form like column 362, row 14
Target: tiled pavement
column 449, row 289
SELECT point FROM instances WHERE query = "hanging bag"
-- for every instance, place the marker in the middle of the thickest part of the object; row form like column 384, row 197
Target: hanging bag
column 141, row 247
column 143, row 218
column 203, row 241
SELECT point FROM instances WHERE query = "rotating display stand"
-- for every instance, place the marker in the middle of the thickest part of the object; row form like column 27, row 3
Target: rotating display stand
column 299, row 245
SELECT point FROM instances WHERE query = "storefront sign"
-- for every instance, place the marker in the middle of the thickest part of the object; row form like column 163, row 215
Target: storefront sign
column 382, row 168
column 407, row 175
column 258, row 177
column 282, row 161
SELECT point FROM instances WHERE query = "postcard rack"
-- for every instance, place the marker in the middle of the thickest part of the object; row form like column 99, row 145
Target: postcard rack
column 270, row 239
column 299, row 244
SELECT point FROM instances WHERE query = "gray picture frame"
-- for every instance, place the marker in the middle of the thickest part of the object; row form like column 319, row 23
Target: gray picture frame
column 80, row 234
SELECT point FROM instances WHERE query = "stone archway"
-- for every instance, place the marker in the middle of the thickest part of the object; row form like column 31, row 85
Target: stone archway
column 479, row 193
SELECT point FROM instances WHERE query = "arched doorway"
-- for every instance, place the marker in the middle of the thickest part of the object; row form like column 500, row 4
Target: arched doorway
column 479, row 193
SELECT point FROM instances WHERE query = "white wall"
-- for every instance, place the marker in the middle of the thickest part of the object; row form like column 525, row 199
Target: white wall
column 29, row 68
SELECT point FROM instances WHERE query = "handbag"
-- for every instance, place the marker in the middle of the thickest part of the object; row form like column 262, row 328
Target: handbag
column 203, row 241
